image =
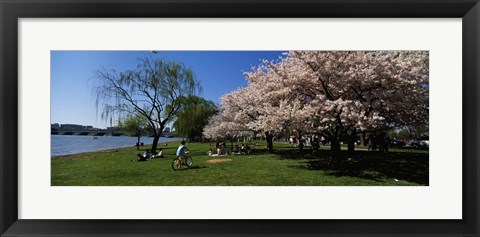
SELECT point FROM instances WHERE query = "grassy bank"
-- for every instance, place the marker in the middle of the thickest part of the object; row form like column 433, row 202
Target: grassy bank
column 287, row 167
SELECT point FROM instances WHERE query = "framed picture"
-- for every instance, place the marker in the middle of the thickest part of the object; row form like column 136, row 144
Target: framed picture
column 349, row 172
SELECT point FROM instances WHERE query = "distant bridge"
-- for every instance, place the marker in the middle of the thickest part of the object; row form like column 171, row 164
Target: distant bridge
column 85, row 132
column 95, row 132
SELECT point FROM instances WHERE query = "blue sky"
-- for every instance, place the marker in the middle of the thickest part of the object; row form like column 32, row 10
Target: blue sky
column 72, row 76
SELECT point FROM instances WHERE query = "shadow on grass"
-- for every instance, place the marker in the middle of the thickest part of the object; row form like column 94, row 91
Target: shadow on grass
column 377, row 166
column 193, row 168
column 287, row 153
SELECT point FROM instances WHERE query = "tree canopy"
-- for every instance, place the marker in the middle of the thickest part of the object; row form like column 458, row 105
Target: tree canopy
column 135, row 125
column 192, row 116
column 152, row 91
column 335, row 93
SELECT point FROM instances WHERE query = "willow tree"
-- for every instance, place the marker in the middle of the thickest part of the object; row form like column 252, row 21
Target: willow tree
column 193, row 116
column 152, row 91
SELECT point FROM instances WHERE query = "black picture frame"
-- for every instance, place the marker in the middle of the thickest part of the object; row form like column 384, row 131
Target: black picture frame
column 11, row 11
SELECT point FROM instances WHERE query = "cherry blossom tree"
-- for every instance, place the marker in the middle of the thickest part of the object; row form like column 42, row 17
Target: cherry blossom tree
column 232, row 120
column 220, row 126
column 360, row 91
column 278, row 99
column 335, row 92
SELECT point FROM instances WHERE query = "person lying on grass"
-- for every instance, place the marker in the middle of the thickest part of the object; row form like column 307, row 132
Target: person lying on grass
column 146, row 154
column 158, row 155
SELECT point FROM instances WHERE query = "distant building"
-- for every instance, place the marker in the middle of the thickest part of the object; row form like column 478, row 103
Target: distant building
column 166, row 130
column 114, row 131
column 54, row 128
column 71, row 127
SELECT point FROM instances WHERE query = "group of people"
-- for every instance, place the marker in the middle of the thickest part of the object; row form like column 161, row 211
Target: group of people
column 300, row 142
column 378, row 142
column 149, row 155
column 244, row 149
column 221, row 149
column 314, row 140
column 181, row 151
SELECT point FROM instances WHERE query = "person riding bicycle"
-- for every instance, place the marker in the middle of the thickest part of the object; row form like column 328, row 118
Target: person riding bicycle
column 181, row 151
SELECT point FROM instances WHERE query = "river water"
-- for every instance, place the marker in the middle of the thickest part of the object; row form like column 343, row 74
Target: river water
column 72, row 144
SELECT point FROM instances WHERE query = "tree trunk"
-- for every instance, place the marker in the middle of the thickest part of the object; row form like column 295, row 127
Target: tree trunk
column 362, row 139
column 269, row 139
column 352, row 140
column 156, row 137
column 335, row 148
column 138, row 143
column 301, row 142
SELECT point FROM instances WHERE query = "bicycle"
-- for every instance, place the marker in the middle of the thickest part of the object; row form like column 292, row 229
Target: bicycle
column 177, row 164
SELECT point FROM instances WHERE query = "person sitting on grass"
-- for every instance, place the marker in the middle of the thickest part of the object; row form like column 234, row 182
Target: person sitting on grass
column 146, row 154
column 236, row 149
column 247, row 150
column 243, row 149
column 181, row 151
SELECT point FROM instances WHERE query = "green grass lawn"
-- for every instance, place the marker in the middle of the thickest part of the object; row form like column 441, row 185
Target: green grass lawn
column 284, row 168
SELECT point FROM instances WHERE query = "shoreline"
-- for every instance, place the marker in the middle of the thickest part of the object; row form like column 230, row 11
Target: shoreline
column 110, row 150
column 88, row 152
